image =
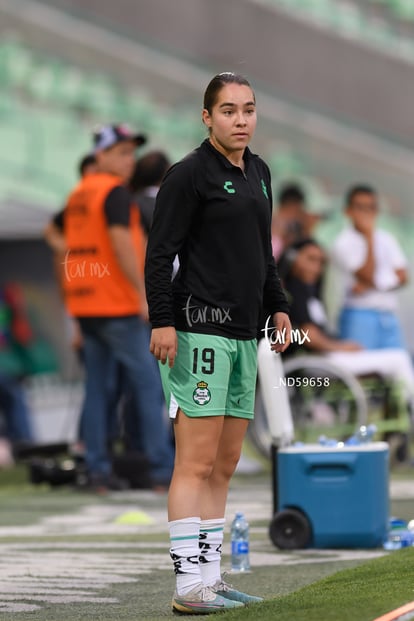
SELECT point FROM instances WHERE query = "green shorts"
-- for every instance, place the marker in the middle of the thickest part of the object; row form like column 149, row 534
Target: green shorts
column 211, row 376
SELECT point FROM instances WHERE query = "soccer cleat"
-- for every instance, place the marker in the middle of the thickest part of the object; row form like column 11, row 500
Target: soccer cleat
column 226, row 590
column 202, row 601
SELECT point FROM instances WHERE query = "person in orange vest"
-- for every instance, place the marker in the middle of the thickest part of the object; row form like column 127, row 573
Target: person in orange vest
column 55, row 238
column 104, row 289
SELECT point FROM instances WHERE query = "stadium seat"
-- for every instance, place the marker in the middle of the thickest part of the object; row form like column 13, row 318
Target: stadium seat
column 356, row 19
column 16, row 63
column 403, row 9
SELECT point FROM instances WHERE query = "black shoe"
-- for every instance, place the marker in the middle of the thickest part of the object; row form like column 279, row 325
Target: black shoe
column 101, row 484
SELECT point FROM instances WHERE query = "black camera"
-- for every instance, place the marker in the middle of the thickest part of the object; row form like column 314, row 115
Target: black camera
column 53, row 471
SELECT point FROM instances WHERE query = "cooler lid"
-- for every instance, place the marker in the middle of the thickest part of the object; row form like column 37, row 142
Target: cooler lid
column 367, row 447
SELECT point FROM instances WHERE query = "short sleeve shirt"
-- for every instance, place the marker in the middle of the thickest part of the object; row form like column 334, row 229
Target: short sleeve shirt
column 349, row 254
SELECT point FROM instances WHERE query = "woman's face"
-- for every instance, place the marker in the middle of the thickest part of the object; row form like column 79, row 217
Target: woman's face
column 308, row 264
column 233, row 118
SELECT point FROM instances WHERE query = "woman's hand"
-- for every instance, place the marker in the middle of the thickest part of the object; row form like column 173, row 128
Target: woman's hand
column 164, row 344
column 283, row 326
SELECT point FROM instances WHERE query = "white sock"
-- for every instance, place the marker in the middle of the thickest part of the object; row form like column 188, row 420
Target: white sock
column 184, row 551
column 211, row 539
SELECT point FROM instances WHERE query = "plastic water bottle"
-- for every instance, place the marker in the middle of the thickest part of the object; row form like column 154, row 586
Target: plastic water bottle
column 240, row 544
column 364, row 435
column 400, row 535
column 324, row 441
column 399, row 538
column 396, row 522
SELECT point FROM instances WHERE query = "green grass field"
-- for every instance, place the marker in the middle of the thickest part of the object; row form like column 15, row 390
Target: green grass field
column 64, row 557
column 357, row 594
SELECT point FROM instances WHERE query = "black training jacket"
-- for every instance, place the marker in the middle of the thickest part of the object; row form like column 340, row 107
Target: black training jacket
column 217, row 219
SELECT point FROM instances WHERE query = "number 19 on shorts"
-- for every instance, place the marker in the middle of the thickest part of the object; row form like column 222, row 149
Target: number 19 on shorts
column 203, row 360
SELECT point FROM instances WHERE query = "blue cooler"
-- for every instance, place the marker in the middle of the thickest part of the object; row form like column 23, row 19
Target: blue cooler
column 331, row 497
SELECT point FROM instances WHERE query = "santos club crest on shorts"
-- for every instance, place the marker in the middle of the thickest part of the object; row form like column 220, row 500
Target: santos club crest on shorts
column 201, row 394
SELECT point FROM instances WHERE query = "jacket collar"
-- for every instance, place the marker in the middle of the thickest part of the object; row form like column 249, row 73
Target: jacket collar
column 247, row 155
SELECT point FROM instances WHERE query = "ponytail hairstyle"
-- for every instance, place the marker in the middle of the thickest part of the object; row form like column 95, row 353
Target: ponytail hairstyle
column 217, row 83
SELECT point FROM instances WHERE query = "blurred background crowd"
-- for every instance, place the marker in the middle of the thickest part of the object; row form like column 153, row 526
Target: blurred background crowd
column 334, row 86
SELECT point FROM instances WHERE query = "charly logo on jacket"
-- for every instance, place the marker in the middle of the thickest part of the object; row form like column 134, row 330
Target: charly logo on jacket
column 202, row 394
column 264, row 188
column 228, row 186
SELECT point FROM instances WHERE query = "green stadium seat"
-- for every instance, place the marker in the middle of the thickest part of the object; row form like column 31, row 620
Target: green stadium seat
column 72, row 87
column 140, row 107
column 17, row 62
column 348, row 19
column 402, row 9
column 42, row 82
column 13, row 143
column 286, row 163
column 8, row 103
column 356, row 19
column 100, row 96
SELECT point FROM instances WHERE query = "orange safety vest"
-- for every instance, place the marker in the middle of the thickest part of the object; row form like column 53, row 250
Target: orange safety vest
column 94, row 284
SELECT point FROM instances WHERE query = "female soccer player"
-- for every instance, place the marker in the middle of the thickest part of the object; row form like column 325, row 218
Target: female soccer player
column 213, row 210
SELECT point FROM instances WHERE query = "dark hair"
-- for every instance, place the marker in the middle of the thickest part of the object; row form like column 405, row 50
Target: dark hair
column 216, row 84
column 288, row 256
column 358, row 189
column 291, row 193
column 86, row 161
column 149, row 170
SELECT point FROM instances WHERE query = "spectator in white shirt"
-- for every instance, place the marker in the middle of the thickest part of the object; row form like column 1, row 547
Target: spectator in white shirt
column 374, row 267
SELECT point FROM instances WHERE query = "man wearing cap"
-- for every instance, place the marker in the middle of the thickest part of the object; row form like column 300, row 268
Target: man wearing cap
column 104, row 290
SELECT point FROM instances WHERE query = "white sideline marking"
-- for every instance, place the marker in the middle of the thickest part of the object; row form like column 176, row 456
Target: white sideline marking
column 44, row 573
column 10, row 607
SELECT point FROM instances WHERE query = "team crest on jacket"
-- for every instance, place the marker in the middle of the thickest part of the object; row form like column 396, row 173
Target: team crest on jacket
column 264, row 188
column 202, row 394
